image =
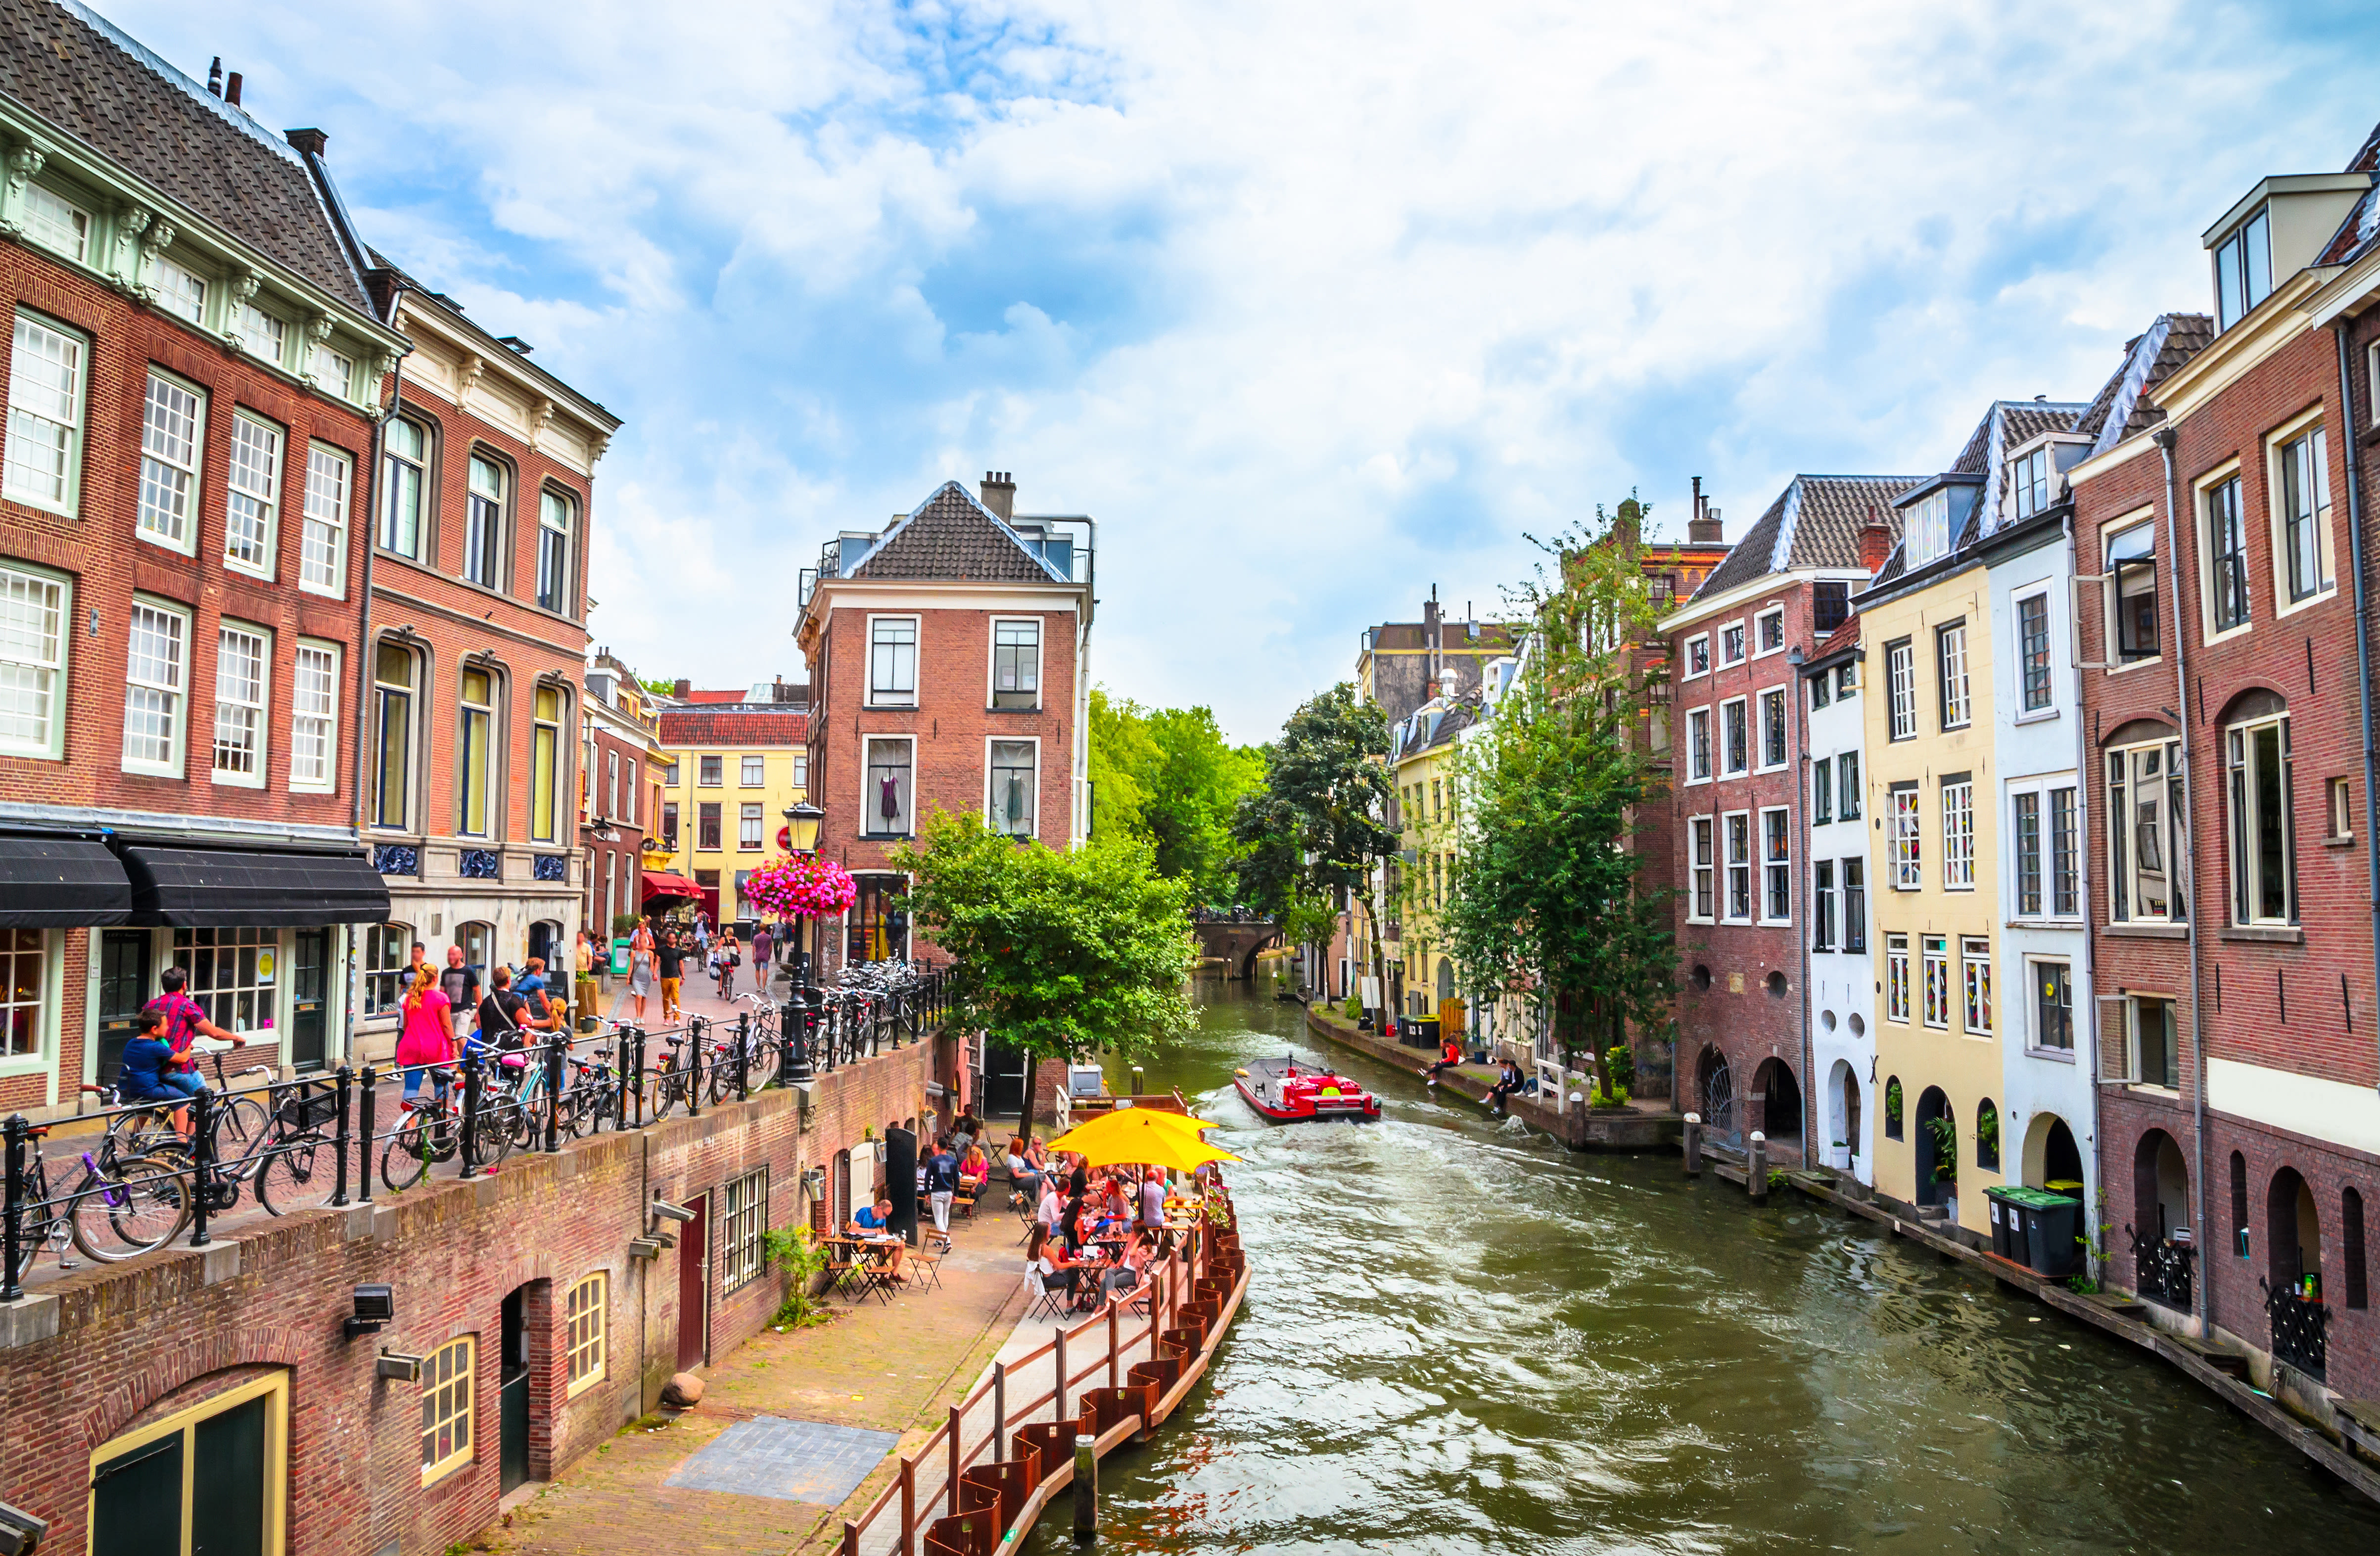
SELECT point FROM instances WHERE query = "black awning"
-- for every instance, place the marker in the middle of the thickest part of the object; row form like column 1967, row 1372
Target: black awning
column 60, row 883
column 226, row 889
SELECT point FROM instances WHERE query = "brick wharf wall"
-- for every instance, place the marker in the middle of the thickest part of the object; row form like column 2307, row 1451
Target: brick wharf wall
column 96, row 550
column 1735, row 1017
column 138, row 1342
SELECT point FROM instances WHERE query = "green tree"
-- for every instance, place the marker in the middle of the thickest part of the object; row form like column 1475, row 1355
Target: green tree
column 659, row 688
column 1167, row 776
column 1311, row 833
column 1059, row 953
column 1553, row 901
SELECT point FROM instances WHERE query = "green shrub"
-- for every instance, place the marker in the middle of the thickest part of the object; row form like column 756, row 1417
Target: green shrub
column 1352, row 1008
column 801, row 1257
column 1619, row 1062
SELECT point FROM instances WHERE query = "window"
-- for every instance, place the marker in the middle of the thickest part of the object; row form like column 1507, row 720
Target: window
column 1010, row 802
column 446, row 1408
column 2053, row 1005
column 2350, row 1248
column 2155, row 1043
column 2145, row 829
column 1831, row 604
column 1900, row 688
column 45, row 408
column 388, row 956
column 545, row 764
column 169, row 461
column 323, row 545
column 1702, row 864
column 748, row 828
column 1951, row 660
column 1733, row 718
column 473, row 757
column 152, row 696
column 1822, row 791
column 583, row 1333
column 2032, row 653
column 241, row 655
column 393, row 670
column 2339, row 794
column 1907, row 853
column 2304, row 494
column 1822, row 907
column 24, row 983
column 2131, row 568
column 1731, row 644
column 211, row 1477
column 1739, row 866
column 483, row 523
column 1928, row 525
column 1821, row 691
column 254, row 496
column 1847, row 784
column 2026, row 830
column 1893, row 1105
column 1975, row 978
column 706, row 826
column 1770, row 627
column 334, row 371
column 404, row 444
column 611, row 783
column 2226, row 558
column 1846, row 679
column 1698, row 744
column 747, row 1219
column 2065, row 857
column 1016, row 663
column 1959, row 834
column 1936, row 950
column 33, row 658
column 1772, row 728
column 2029, row 481
column 55, row 221
column 1988, row 1135
column 711, row 771
column 2243, row 268
column 669, row 823
column 553, row 551
column 1854, row 904
column 1698, row 655
column 754, row 773
column 2264, row 867
column 1896, row 977
column 2240, row 1201
column 261, row 334
column 801, row 770
column 232, row 975
column 180, row 290
column 669, row 773
column 893, row 661
column 885, row 796
column 1777, row 858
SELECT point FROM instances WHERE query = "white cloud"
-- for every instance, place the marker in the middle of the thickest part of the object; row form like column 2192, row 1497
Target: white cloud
column 1312, row 305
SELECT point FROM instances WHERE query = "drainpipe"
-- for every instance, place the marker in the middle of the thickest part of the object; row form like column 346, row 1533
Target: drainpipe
column 2363, row 636
column 2205, row 1284
column 371, row 527
column 1802, row 908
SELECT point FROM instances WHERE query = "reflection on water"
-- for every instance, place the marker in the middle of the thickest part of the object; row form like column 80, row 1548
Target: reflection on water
column 1463, row 1338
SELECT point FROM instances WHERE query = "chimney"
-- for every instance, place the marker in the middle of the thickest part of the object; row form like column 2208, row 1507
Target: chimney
column 308, row 142
column 1875, row 542
column 999, row 494
column 1703, row 528
column 231, row 89
column 681, row 689
column 1430, row 627
column 214, row 77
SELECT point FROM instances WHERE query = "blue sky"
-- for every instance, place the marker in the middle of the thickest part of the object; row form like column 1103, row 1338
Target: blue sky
column 1312, row 306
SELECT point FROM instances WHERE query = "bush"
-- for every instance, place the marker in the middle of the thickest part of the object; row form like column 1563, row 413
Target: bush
column 801, row 1257
column 1615, row 1098
column 1352, row 1008
column 624, row 923
column 1619, row 1062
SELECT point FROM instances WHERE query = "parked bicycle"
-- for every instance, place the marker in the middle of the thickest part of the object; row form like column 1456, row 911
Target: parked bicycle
column 112, row 1212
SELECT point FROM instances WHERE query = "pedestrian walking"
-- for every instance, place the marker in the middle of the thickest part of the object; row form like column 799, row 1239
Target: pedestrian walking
column 670, row 954
column 764, row 945
column 585, row 990
column 460, row 984
column 731, row 956
column 701, row 933
column 428, row 1039
column 640, row 969
column 941, row 1183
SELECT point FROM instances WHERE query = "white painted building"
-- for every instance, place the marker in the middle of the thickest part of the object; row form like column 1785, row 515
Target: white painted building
column 1841, row 979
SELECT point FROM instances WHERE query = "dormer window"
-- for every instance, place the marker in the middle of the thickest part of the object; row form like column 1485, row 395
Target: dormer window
column 1928, row 527
column 2243, row 268
column 2029, row 480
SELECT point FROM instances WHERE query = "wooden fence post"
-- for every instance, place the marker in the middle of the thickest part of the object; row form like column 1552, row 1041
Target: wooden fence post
column 1000, row 1413
column 957, row 1460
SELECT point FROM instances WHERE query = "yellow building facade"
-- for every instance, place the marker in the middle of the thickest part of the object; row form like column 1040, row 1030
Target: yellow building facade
column 1423, row 770
column 729, row 773
column 1928, row 734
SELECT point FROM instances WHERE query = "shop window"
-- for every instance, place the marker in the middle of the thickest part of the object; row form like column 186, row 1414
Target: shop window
column 388, row 950
column 234, row 974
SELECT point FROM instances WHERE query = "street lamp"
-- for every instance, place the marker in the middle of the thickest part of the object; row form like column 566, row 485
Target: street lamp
column 802, row 821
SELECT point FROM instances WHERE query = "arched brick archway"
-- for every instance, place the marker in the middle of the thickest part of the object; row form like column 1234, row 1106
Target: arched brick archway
column 166, row 1368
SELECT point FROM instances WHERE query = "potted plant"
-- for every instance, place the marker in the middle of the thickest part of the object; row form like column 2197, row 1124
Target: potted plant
column 1838, row 1155
column 1945, row 1131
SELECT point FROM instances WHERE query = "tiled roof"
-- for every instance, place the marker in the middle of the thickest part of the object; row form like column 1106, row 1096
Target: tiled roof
column 95, row 84
column 951, row 535
column 741, row 726
column 2121, row 409
column 1815, row 522
column 1840, row 639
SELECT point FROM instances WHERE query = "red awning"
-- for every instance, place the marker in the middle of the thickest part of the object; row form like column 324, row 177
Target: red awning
column 662, row 883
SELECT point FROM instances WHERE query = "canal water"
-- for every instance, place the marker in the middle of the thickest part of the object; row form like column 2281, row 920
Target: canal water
column 1462, row 1337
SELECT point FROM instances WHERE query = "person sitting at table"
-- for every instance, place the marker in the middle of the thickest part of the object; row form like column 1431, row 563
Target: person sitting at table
column 1023, row 1174
column 974, row 1170
column 1059, row 1268
column 1131, row 1267
column 1152, row 1199
column 872, row 1224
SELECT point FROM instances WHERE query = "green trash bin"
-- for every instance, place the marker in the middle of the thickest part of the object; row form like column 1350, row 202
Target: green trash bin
column 2050, row 1222
column 2008, row 1234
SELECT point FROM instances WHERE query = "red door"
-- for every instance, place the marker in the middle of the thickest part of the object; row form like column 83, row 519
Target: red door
column 693, row 1310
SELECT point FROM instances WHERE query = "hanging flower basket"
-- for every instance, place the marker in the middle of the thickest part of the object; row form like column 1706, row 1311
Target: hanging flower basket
column 801, row 888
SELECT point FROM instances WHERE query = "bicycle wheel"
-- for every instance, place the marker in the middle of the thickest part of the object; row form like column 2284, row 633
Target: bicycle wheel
column 299, row 1172
column 405, row 1160
column 669, row 1091
column 239, row 1124
column 492, row 1135
column 136, row 1210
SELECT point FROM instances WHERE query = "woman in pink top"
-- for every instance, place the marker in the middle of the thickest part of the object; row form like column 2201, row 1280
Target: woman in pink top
column 429, row 1035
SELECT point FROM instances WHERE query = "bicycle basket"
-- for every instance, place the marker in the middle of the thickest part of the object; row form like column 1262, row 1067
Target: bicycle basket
column 310, row 1108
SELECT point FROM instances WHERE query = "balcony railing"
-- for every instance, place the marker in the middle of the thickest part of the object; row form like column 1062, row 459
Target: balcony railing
column 2301, row 1330
column 2163, row 1271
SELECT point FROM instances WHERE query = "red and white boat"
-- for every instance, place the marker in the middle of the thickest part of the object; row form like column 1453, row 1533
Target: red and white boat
column 1290, row 1090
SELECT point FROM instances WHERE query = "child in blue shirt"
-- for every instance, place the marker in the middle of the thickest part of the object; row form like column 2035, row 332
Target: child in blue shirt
column 149, row 1063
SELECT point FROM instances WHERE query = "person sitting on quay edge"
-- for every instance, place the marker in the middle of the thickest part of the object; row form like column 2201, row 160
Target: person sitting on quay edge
column 1508, row 1081
column 1450, row 1055
column 872, row 1224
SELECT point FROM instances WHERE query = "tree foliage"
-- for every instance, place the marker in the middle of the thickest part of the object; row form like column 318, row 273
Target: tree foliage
column 1553, row 897
column 1313, row 828
column 1168, row 777
column 1058, row 952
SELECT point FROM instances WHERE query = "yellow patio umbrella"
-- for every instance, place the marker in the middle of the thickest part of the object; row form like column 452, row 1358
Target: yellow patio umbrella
column 1141, row 1137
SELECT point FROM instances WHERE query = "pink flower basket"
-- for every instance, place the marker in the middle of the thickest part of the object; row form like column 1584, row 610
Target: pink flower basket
column 801, row 888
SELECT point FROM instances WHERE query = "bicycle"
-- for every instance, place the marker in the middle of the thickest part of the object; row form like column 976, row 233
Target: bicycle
column 593, row 1094
column 295, row 1164
column 139, row 1201
column 430, row 1130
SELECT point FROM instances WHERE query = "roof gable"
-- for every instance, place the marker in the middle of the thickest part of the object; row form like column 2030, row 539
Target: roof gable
column 952, row 536
column 1815, row 522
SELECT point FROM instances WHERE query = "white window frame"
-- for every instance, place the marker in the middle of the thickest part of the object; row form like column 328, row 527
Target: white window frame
column 1701, row 640
column 246, row 430
column 1738, row 867
column 751, row 826
column 1954, row 677
column 745, row 1203
column 2123, row 833
column 1849, row 792
column 894, row 696
column 1925, row 530
column 991, row 661
column 1934, row 953
column 178, row 715
column 327, row 716
column 1702, row 869
column 258, row 711
column 2111, row 591
column 1906, row 836
column 1744, row 706
column 1822, row 904
column 1901, row 690
column 2034, row 1042
column 46, row 624
column 2019, row 854
column 180, row 290
column 255, row 325
column 1776, row 718
column 330, row 496
column 1959, row 835
column 1896, row 983
column 2033, row 481
column 2243, row 841
column 332, row 371
column 745, row 763
column 990, row 820
column 1775, row 863
column 487, row 517
column 43, row 996
column 868, row 818
column 1975, row 995
column 1741, row 630
column 2309, row 429
column 167, row 471
column 2202, row 515
column 36, row 424
column 553, row 547
column 1761, row 619
column 1822, row 791
column 1698, row 728
column 66, row 231
column 2025, row 712
column 387, row 491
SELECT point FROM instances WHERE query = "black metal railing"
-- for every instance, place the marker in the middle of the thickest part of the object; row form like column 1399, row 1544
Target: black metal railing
column 2163, row 1271
column 2301, row 1330
column 128, row 1180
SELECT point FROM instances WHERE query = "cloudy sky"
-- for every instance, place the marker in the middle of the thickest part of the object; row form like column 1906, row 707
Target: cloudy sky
column 1313, row 305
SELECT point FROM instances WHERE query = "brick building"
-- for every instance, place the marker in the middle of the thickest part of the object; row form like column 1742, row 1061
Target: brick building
column 479, row 643
column 191, row 370
column 734, row 761
column 620, row 772
column 1737, row 744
